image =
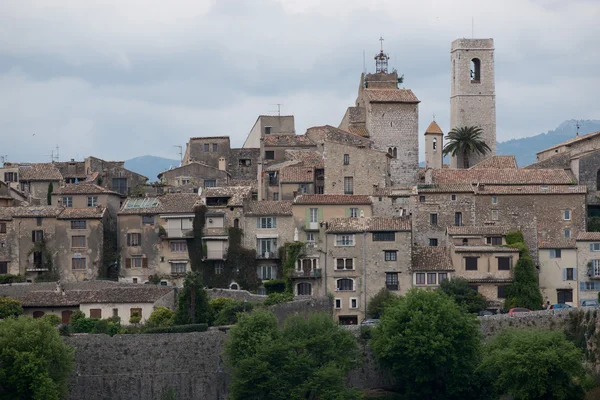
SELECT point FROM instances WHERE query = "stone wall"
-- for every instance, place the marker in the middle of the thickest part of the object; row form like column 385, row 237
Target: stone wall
column 302, row 307
column 545, row 319
column 235, row 294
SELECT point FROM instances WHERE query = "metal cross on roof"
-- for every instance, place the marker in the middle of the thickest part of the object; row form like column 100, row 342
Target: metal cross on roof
column 381, row 40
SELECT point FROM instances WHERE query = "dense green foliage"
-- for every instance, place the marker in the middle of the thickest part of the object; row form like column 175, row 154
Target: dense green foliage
column 275, row 286
column 307, row 359
column 290, row 253
column 34, row 362
column 458, row 289
column 533, row 364
column 192, row 304
column 49, row 193
column 9, row 278
column 161, row 317
column 241, row 261
column 378, row 303
column 276, row 298
column 10, row 307
column 593, row 224
column 52, row 319
column 515, row 237
column 224, row 311
column 178, row 329
column 525, row 289
column 431, row 346
column 465, row 141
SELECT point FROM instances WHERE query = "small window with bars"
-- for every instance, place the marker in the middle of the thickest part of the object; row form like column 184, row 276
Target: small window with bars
column 390, row 255
column 384, row 236
column 78, row 242
column 344, row 263
column 78, row 224
column 79, row 263
column 391, row 280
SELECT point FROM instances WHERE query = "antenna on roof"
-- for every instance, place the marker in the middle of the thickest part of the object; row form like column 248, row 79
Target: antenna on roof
column 364, row 63
column 278, row 108
column 3, row 159
column 180, row 154
column 577, row 126
column 57, row 153
column 472, row 27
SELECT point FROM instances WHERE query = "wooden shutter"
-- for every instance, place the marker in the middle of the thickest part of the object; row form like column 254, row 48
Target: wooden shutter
column 144, row 262
column 319, row 214
column 129, row 239
column 307, row 217
column 33, row 236
column 564, row 274
column 347, row 212
column 258, row 222
column 128, row 262
column 274, row 222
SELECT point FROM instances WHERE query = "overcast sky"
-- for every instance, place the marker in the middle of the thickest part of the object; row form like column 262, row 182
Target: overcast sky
column 124, row 78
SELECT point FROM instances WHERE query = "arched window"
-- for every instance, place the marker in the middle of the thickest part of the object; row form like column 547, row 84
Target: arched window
column 475, row 70
column 236, row 223
column 345, row 284
column 395, row 155
column 234, row 286
column 38, row 314
column 304, row 289
column 390, row 151
column 435, row 143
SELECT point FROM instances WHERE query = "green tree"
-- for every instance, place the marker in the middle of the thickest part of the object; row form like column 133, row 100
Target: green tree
column 465, row 141
column 192, row 305
column 533, row 364
column 162, row 316
column 307, row 359
column 10, row 307
column 458, row 289
column 34, row 362
column 431, row 346
column 49, row 194
column 52, row 319
column 135, row 317
column 379, row 302
column 593, row 224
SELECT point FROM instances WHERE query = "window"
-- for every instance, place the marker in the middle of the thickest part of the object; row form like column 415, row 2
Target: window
column 346, row 159
column 178, row 268
column 555, row 253
column 210, row 183
column 134, row 239
column 320, row 189
column 390, row 255
column 475, row 70
column 304, row 289
column 338, row 303
column 310, row 239
column 344, row 240
column 567, row 233
column 594, row 246
column 3, row 267
column 10, row 177
column 344, row 263
column 148, row 219
column 353, row 302
column 568, row 274
column 431, row 278
column 494, row 200
column 453, row 197
column 38, row 314
column 78, row 224
column 276, row 196
column 135, row 280
column 38, row 260
column 206, row 147
column 384, row 236
column 267, row 222
column 494, row 240
column 564, row 295
column 219, row 268
column 421, row 199
column 494, row 215
column 420, row 278
column 433, row 219
column 78, row 241
column 119, row 185
column 471, row 263
column 267, row 247
column 179, row 246
column 457, row 219
column 96, row 313
column 37, row 236
column 267, row 130
column 433, row 242
column 434, row 143
column 391, row 280
column 354, row 212
column 442, row 276
column 567, row 215
column 304, row 188
column 595, row 268
column 501, row 294
column 92, row 201
column 504, row 263
column 265, row 272
column 348, row 185
column 474, row 287
column 38, row 221
column 345, row 284
column 395, row 152
column 2, row 227
column 115, row 312
column 269, row 155
column 134, row 311
column 67, row 201
column 215, row 147
column 78, row 263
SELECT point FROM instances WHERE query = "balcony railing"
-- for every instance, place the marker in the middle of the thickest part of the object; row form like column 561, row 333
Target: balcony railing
column 312, row 273
column 267, row 255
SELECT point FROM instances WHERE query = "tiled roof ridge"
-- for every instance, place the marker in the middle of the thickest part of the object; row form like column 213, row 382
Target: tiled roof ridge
column 571, row 141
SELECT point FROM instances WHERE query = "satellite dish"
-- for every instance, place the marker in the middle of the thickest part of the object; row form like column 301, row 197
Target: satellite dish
column 199, row 191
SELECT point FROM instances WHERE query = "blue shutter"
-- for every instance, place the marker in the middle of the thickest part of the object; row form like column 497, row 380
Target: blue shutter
column 591, row 246
column 581, row 286
column 564, row 274
column 258, row 222
column 575, row 274
column 274, row 222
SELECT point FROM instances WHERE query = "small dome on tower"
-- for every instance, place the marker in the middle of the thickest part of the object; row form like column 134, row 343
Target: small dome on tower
column 433, row 129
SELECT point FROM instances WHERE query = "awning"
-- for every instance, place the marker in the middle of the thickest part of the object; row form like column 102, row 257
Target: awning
column 267, row 235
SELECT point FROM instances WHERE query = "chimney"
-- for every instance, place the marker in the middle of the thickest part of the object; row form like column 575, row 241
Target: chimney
column 222, row 164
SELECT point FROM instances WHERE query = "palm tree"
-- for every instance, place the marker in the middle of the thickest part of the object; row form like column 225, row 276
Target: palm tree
column 464, row 141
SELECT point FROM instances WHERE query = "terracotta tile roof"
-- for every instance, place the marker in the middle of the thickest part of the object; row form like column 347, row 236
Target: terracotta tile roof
column 490, row 280
column 170, row 203
column 571, row 141
column 484, row 249
column 588, row 237
column 82, row 188
column 332, row 199
column 497, row 162
column 391, row 96
column 36, row 211
column 209, row 137
column 557, row 161
column 186, row 167
column 434, row 128
column 393, row 191
column 72, row 169
column 39, row 172
column 307, row 157
column 431, row 258
column 330, row 133
column 445, row 188
column 83, row 213
column 558, row 244
column 283, row 164
column 478, row 230
column 287, row 141
column 236, row 194
column 297, row 175
column 281, row 207
column 371, row 224
column 506, row 176
column 359, row 130
column 532, row 189
column 243, row 182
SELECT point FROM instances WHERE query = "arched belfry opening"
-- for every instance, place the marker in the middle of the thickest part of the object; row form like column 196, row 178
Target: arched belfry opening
column 475, row 70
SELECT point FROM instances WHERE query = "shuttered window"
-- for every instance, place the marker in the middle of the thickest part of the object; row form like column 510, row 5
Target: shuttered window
column 96, row 313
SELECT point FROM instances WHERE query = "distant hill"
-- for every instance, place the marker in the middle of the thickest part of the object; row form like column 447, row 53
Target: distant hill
column 524, row 149
column 150, row 166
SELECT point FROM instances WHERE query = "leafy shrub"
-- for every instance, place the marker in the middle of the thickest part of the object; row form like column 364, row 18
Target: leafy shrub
column 274, row 286
column 114, row 319
column 9, row 278
column 77, row 315
column 515, row 237
column 276, row 298
column 10, row 307
column 162, row 316
column 219, row 303
column 101, row 326
column 52, row 319
column 464, row 295
column 65, row 330
column 378, row 303
column 135, row 318
column 84, row 325
column 228, row 314
column 178, row 328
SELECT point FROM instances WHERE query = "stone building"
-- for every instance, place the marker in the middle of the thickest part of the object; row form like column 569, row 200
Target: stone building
column 197, row 175
column 389, row 116
column 473, row 92
column 10, row 196
column 393, row 201
column 430, row 266
column 7, row 235
column 588, row 266
column 266, row 125
column 113, row 175
column 365, row 256
column 86, row 195
column 35, row 179
column 434, row 146
column 577, row 145
column 558, row 271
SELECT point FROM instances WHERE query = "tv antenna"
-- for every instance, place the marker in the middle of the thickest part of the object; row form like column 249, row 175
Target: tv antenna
column 472, row 27
column 4, row 159
column 278, row 108
column 577, row 126
column 180, row 153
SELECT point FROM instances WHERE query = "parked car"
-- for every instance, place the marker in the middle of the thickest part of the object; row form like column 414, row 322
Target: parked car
column 485, row 313
column 516, row 310
column 590, row 303
column 560, row 306
column 369, row 322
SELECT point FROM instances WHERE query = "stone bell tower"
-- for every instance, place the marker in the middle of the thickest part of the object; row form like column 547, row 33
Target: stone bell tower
column 473, row 92
column 434, row 145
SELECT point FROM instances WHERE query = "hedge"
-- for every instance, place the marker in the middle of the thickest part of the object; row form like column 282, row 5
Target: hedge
column 178, row 329
column 8, row 278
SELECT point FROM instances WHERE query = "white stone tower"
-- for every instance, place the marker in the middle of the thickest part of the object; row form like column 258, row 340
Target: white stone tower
column 473, row 92
column 434, row 144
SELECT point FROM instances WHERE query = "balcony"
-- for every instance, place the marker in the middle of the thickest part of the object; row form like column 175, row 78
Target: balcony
column 312, row 273
column 267, row 255
column 179, row 233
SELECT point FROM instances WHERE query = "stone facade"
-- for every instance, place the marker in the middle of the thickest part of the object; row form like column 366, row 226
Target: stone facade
column 588, row 266
column 473, row 91
column 269, row 125
column 195, row 174
column 114, row 176
column 575, row 146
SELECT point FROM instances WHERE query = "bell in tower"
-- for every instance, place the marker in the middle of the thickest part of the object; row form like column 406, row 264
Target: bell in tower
column 381, row 60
